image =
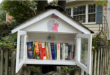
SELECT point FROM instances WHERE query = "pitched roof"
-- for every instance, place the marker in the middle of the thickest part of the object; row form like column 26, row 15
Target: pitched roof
column 58, row 8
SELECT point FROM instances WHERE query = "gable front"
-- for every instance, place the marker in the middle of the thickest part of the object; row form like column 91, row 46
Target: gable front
column 44, row 19
column 52, row 23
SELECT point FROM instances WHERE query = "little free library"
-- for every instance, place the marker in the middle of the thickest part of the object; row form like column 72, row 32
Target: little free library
column 53, row 38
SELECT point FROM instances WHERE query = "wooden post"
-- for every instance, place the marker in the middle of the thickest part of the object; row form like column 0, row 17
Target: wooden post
column 101, row 63
column 13, row 58
column 6, row 62
column 95, row 62
column 98, row 53
column 1, row 61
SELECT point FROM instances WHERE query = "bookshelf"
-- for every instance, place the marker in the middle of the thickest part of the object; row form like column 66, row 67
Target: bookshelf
column 69, row 31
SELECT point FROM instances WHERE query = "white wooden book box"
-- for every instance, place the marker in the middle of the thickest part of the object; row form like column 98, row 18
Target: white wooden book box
column 68, row 30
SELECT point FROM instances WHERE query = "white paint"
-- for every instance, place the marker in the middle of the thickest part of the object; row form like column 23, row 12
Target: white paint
column 60, row 38
column 53, row 11
column 50, row 62
column 78, row 57
column 67, row 1
column 41, row 26
column 0, row 1
column 86, row 16
column 49, row 1
column 19, row 63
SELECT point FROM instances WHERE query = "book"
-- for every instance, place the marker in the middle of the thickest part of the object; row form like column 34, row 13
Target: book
column 61, row 45
column 40, row 50
column 66, row 51
column 72, row 52
column 63, row 52
column 37, row 50
column 52, row 51
column 34, row 49
column 47, row 51
column 58, row 51
column 43, row 48
column 55, row 51
column 69, row 52
column 29, row 49
column 50, row 55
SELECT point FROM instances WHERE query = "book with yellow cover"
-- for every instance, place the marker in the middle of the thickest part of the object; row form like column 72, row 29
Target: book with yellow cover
column 34, row 49
column 63, row 52
column 37, row 50
column 47, row 51
column 49, row 47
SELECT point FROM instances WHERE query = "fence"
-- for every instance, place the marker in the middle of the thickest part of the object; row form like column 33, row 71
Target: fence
column 100, row 62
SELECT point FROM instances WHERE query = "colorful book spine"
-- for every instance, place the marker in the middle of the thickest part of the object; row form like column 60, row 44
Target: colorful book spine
column 50, row 55
column 72, row 50
column 37, row 50
column 63, row 52
column 66, row 52
column 58, row 51
column 34, row 49
column 69, row 52
column 52, row 51
column 55, row 51
column 29, row 49
column 47, row 51
column 41, row 51
column 43, row 48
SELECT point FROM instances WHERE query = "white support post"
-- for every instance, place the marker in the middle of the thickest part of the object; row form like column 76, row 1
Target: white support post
column 71, row 11
column 82, row 72
column 86, row 13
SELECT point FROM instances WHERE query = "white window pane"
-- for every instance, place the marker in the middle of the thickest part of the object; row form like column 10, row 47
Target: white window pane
column 21, row 52
column 68, row 10
column 84, row 51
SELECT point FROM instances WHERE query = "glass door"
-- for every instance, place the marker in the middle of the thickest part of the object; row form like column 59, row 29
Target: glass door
column 83, row 49
column 21, row 46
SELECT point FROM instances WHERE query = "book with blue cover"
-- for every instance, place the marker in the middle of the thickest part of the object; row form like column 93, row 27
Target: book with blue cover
column 66, row 51
column 52, row 51
column 29, row 49
column 55, row 51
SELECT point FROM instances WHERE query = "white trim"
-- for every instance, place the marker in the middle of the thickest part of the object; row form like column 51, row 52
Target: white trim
column 86, row 16
column 90, row 23
column 50, row 62
column 18, row 63
column 71, row 11
column 88, row 67
column 53, row 11
column 67, row 1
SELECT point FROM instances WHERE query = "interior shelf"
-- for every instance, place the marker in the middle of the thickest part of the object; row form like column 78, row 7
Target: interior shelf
column 50, row 62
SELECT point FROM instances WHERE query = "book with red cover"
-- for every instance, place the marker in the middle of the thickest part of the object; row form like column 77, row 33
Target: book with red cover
column 72, row 52
column 43, row 48
column 41, row 51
